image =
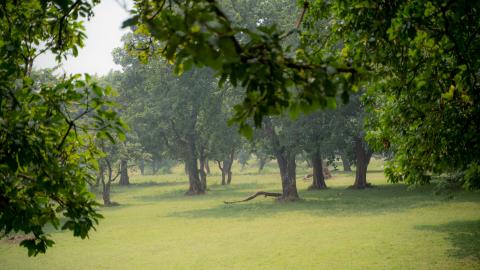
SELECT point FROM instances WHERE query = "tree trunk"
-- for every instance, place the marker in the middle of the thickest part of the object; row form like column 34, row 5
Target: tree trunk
column 229, row 177
column 196, row 186
column 221, row 170
column 106, row 184
column 363, row 155
column 142, row 167
column 286, row 163
column 229, row 167
column 124, row 179
column 318, row 177
column 195, row 183
column 345, row 162
column 203, row 175
column 106, row 194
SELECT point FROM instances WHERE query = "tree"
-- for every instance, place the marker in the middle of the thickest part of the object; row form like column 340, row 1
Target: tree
column 113, row 164
column 253, row 58
column 279, row 133
column 178, row 113
column 419, row 58
column 422, row 60
column 47, row 154
column 314, row 133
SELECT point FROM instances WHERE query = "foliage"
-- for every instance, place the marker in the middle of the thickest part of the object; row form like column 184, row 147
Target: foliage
column 422, row 60
column 47, row 125
column 198, row 33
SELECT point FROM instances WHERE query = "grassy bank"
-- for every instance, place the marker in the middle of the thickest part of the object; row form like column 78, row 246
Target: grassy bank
column 156, row 227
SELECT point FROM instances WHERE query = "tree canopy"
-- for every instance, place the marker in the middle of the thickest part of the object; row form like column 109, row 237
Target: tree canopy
column 48, row 125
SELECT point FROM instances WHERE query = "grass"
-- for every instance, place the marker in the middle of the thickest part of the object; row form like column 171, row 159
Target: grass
column 156, row 227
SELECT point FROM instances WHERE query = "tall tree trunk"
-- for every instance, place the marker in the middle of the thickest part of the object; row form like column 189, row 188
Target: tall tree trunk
column 318, row 177
column 229, row 167
column 196, row 186
column 363, row 155
column 124, row 179
column 106, row 183
column 195, row 183
column 203, row 175
column 142, row 166
column 286, row 163
column 345, row 162
column 106, row 194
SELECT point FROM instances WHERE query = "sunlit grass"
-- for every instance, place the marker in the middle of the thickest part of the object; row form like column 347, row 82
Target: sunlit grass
column 157, row 227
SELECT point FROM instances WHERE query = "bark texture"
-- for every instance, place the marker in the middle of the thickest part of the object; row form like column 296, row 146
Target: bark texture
column 124, row 179
column 362, row 155
column 286, row 164
column 318, row 172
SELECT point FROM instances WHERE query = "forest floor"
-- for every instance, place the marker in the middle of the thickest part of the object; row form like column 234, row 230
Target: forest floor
column 389, row 226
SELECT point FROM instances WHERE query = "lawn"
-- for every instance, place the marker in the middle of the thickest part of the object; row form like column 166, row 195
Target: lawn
column 389, row 226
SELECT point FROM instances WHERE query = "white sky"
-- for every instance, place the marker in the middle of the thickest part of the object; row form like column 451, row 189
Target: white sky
column 104, row 33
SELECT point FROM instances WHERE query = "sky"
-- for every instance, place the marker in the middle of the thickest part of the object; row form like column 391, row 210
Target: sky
column 104, row 33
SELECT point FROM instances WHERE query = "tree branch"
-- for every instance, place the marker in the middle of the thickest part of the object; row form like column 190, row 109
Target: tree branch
column 260, row 193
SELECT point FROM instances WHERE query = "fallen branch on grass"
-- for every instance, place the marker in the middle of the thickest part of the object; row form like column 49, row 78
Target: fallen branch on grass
column 266, row 194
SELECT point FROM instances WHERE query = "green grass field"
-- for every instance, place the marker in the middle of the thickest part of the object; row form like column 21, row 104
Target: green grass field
column 156, row 227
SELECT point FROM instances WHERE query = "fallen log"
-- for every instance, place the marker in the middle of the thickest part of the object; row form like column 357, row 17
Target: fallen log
column 260, row 193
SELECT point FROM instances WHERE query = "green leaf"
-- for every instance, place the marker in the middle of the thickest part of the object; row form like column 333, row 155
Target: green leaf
column 131, row 21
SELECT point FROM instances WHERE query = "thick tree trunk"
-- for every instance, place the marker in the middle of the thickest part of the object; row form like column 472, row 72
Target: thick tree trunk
column 196, row 186
column 286, row 163
column 346, row 163
column 318, row 176
column 195, row 183
column 363, row 155
column 124, row 179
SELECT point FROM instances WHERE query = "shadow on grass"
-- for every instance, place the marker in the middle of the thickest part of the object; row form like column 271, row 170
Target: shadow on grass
column 337, row 201
column 179, row 195
column 215, row 191
column 155, row 184
column 463, row 235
